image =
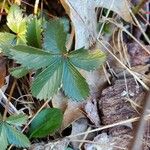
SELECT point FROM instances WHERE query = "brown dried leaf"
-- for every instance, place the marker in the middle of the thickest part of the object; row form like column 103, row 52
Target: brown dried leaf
column 60, row 101
column 72, row 113
column 84, row 17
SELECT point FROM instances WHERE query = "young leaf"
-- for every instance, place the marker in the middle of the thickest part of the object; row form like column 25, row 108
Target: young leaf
column 17, row 23
column 3, row 137
column 17, row 120
column 15, row 137
column 87, row 60
column 46, row 122
column 55, row 37
column 74, row 84
column 32, row 58
column 47, row 83
column 18, row 72
column 15, row 19
column 33, row 34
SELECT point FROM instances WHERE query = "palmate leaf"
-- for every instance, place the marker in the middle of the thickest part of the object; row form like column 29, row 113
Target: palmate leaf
column 15, row 137
column 31, row 57
column 87, row 60
column 55, row 37
column 47, row 83
column 46, row 122
column 74, row 85
column 57, row 66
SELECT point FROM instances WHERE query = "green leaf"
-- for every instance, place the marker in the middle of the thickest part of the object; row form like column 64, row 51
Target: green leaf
column 17, row 23
column 65, row 23
column 3, row 137
column 19, row 72
column 87, row 60
column 55, row 37
column 47, row 83
column 15, row 137
column 17, row 120
column 7, row 38
column 33, row 35
column 46, row 122
column 21, row 39
column 74, row 84
column 15, row 20
column 31, row 57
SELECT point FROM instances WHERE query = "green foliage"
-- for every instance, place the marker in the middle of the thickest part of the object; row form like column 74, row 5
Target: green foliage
column 55, row 37
column 10, row 135
column 87, row 60
column 74, row 84
column 3, row 137
column 42, row 47
column 58, row 67
column 7, row 38
column 46, row 122
column 60, row 64
column 18, row 72
column 34, row 30
column 17, row 120
column 17, row 23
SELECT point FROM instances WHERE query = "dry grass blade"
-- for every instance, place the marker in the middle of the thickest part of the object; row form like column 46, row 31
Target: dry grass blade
column 36, row 6
column 137, row 143
column 111, row 125
column 131, row 72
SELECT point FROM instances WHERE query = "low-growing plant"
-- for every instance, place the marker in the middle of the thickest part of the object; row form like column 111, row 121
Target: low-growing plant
column 56, row 66
column 40, row 45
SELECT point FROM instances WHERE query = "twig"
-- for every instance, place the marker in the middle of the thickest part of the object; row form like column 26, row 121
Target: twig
column 137, row 143
column 110, row 126
column 9, row 98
